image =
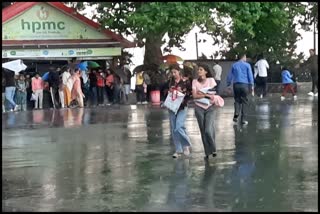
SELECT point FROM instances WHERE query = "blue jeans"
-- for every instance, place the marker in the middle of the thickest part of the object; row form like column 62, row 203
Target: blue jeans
column 10, row 91
column 178, row 130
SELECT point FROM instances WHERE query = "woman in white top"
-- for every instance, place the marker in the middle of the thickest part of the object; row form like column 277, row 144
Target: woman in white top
column 205, row 112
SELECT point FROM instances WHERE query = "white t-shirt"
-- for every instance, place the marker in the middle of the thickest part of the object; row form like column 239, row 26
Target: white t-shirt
column 260, row 68
column 217, row 70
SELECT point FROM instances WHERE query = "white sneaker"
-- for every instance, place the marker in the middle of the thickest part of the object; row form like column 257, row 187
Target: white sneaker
column 138, row 103
column 310, row 93
column 282, row 98
column 176, row 155
column 316, row 94
column 145, row 102
column 261, row 96
column 186, row 151
column 295, row 97
column 16, row 108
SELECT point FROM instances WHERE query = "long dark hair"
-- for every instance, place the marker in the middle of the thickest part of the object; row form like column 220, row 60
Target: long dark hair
column 207, row 69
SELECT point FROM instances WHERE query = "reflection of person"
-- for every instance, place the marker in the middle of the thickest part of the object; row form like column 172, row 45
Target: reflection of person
column 178, row 193
column 313, row 66
column 178, row 131
column 37, row 89
column 261, row 75
column 217, row 69
column 287, row 83
column 205, row 113
column 242, row 78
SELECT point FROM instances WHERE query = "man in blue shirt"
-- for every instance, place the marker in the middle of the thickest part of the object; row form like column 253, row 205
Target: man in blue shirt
column 242, row 78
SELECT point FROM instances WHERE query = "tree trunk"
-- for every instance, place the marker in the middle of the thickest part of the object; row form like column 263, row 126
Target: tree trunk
column 153, row 53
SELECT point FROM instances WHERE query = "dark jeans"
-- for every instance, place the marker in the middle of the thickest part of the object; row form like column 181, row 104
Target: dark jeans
column 261, row 88
column 140, row 93
column 205, row 118
column 93, row 96
column 109, row 94
column 314, row 82
column 54, row 92
column 241, row 104
column 116, row 94
column 100, row 95
column 217, row 86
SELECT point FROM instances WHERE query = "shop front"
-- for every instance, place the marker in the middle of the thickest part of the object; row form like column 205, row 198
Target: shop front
column 50, row 33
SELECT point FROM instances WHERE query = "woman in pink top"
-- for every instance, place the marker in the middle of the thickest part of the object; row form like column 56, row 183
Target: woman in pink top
column 37, row 86
column 205, row 112
column 76, row 92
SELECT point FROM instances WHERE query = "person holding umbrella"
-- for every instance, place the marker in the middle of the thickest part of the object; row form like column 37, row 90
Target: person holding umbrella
column 54, row 81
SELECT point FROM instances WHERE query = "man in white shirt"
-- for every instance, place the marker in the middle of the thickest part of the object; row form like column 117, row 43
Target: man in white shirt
column 261, row 76
column 217, row 74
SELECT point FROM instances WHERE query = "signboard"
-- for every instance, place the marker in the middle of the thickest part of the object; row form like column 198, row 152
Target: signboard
column 43, row 22
column 65, row 52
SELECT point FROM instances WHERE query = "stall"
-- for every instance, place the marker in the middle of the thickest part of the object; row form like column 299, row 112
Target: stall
column 42, row 33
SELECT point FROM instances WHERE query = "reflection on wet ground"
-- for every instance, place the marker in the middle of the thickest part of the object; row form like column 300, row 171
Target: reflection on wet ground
column 119, row 159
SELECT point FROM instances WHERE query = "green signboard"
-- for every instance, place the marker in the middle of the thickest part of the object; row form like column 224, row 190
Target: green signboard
column 65, row 52
column 43, row 22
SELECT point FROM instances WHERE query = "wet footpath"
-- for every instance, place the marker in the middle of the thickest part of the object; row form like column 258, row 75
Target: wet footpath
column 118, row 158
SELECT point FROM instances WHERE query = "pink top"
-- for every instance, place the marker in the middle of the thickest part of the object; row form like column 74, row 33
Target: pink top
column 76, row 89
column 36, row 83
column 196, row 86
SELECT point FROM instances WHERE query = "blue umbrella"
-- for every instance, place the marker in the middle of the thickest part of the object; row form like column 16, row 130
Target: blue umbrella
column 45, row 76
column 83, row 66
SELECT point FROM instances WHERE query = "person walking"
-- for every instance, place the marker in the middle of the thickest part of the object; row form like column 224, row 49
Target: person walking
column 261, row 76
column 217, row 69
column 288, row 83
column 312, row 63
column 21, row 93
column 54, row 81
column 10, row 90
column 242, row 78
column 126, row 82
column 100, row 87
column 76, row 92
column 109, row 85
column 66, row 91
column 205, row 113
column 93, row 87
column 180, row 137
column 37, row 89
column 140, row 93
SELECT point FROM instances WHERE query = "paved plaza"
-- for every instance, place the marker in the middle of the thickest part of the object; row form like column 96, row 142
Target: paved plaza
column 118, row 158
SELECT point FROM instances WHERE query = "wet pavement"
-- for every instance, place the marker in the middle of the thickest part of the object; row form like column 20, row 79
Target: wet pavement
column 118, row 158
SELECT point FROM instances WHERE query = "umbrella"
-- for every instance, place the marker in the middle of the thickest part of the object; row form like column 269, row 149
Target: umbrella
column 45, row 76
column 138, row 69
column 83, row 66
column 92, row 64
column 171, row 59
column 16, row 66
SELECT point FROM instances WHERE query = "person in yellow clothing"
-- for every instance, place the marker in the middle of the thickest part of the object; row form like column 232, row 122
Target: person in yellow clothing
column 140, row 93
